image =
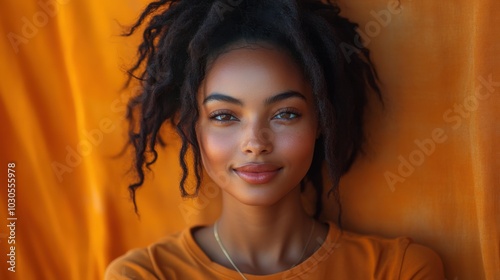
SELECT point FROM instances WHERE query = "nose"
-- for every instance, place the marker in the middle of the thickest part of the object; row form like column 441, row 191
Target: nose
column 257, row 140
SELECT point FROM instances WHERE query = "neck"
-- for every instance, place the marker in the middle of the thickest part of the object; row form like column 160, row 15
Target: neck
column 265, row 238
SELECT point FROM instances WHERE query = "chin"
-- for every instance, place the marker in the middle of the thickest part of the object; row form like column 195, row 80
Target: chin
column 259, row 195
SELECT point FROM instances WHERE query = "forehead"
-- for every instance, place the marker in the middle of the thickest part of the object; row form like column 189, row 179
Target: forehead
column 250, row 70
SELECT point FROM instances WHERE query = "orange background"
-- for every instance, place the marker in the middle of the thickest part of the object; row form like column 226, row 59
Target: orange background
column 61, row 106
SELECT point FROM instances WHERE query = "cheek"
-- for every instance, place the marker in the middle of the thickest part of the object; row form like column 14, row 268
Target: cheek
column 217, row 149
column 297, row 146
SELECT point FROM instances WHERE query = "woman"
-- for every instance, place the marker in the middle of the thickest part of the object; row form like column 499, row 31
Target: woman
column 263, row 93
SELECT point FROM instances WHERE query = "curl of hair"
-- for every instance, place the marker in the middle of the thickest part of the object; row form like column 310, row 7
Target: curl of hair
column 181, row 37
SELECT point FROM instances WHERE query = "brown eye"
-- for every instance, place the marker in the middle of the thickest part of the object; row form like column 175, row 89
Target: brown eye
column 222, row 117
column 286, row 115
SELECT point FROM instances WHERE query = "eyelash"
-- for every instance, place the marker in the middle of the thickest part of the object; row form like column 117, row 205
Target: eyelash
column 290, row 111
column 213, row 116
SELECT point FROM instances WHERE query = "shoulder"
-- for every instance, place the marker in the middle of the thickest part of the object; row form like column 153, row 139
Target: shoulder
column 421, row 262
column 390, row 258
column 384, row 255
column 135, row 264
column 146, row 263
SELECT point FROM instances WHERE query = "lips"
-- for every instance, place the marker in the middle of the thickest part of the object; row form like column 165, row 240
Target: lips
column 257, row 173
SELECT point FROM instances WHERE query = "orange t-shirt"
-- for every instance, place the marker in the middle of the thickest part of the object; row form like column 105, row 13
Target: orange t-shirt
column 343, row 255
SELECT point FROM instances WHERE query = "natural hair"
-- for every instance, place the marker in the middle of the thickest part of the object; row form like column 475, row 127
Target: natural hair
column 181, row 37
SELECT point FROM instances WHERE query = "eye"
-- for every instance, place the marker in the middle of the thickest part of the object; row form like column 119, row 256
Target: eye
column 287, row 114
column 222, row 116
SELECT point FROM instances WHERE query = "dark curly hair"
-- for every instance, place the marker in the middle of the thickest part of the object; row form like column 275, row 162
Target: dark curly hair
column 181, row 37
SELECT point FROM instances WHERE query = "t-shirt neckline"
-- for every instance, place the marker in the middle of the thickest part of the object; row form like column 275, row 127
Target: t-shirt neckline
column 322, row 253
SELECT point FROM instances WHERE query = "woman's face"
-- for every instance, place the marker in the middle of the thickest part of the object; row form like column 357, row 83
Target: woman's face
column 257, row 125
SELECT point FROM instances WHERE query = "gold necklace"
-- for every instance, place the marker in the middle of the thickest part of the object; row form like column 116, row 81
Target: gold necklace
column 217, row 238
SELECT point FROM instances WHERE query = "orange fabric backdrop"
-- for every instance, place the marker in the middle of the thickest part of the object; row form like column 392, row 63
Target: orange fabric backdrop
column 431, row 169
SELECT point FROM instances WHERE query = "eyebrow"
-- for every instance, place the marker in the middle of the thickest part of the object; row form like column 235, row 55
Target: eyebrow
column 216, row 96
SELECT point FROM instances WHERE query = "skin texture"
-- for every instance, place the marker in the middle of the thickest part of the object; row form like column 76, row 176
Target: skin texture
column 263, row 225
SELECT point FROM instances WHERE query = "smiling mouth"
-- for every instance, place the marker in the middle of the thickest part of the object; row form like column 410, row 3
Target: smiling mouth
column 257, row 174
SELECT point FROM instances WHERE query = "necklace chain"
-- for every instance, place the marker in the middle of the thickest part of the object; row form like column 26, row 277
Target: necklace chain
column 217, row 238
